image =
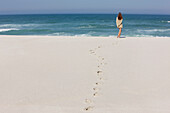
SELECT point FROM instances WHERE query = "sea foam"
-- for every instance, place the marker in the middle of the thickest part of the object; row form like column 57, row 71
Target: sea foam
column 165, row 21
column 155, row 30
column 20, row 25
column 5, row 30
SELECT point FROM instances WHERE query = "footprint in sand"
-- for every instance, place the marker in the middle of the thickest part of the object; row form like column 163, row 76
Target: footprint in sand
column 88, row 101
column 99, row 46
column 92, row 52
column 101, row 78
column 88, row 108
column 95, row 94
column 98, row 72
column 96, row 89
column 97, row 83
column 99, row 67
column 102, row 63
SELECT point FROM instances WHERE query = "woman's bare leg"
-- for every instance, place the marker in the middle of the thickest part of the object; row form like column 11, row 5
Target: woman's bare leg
column 120, row 30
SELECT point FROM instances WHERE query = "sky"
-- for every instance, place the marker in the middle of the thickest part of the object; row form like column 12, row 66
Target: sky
column 84, row 6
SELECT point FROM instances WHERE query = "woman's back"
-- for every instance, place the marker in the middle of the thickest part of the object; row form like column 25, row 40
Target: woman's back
column 119, row 23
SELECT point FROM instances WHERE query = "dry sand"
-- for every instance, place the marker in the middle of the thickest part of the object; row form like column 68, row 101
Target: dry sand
column 50, row 74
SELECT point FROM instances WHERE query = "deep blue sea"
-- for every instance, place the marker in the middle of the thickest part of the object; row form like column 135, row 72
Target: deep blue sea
column 85, row 25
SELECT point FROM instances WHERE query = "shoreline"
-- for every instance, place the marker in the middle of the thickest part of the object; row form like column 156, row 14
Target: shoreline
column 45, row 36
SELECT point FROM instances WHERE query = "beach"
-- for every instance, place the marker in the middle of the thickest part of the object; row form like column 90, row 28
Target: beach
column 64, row 74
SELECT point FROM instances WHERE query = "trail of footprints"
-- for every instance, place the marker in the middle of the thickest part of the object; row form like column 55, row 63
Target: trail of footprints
column 90, row 105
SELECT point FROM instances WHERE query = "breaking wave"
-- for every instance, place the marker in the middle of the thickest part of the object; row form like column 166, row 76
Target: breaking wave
column 166, row 21
column 5, row 30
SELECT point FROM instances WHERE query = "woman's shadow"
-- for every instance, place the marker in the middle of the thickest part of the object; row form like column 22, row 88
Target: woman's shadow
column 122, row 37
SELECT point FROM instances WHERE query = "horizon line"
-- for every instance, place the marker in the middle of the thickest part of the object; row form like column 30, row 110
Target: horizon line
column 80, row 14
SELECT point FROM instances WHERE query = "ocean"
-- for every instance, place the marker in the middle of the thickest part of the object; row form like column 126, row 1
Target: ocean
column 85, row 25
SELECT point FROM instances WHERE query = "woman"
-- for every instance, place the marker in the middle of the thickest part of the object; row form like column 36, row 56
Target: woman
column 119, row 24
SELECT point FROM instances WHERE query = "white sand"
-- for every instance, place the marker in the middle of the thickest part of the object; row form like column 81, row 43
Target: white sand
column 45, row 74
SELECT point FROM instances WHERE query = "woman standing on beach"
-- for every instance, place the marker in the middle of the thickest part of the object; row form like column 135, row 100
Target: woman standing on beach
column 119, row 24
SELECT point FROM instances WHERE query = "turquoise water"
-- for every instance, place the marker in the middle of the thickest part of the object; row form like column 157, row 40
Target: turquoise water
column 84, row 25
